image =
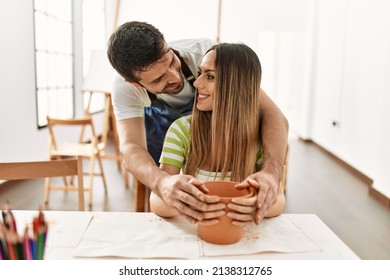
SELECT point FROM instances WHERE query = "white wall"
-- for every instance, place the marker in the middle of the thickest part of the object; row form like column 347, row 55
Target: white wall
column 20, row 139
column 176, row 19
column 352, row 85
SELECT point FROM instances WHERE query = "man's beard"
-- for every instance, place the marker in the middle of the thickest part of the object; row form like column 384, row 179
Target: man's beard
column 175, row 90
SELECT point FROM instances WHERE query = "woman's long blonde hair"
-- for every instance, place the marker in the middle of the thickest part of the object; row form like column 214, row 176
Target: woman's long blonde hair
column 230, row 132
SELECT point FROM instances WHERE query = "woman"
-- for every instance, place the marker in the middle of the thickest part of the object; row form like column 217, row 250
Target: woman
column 219, row 141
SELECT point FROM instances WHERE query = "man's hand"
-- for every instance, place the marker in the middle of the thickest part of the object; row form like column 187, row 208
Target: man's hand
column 267, row 186
column 188, row 196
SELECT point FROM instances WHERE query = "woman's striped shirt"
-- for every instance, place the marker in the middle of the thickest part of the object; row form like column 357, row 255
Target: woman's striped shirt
column 176, row 147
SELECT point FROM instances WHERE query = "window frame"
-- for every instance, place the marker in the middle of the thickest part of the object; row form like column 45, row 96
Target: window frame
column 68, row 58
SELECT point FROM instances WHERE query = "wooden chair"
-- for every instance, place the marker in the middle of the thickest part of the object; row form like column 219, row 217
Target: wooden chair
column 141, row 197
column 109, row 123
column 46, row 169
column 77, row 148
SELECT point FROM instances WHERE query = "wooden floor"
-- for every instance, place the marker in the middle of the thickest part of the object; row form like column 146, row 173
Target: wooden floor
column 316, row 183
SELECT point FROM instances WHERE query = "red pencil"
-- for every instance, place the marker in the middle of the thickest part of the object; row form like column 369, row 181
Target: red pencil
column 9, row 218
column 11, row 250
column 13, row 220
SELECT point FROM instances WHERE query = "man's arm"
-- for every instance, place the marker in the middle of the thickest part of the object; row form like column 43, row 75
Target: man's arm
column 274, row 136
column 133, row 147
column 157, row 205
column 274, row 133
column 182, row 192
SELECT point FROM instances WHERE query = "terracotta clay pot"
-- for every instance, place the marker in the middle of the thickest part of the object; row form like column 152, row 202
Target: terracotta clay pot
column 224, row 232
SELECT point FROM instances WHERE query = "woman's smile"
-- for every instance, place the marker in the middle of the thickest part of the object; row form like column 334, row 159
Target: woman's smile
column 202, row 96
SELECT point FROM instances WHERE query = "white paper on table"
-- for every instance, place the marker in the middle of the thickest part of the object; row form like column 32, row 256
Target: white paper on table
column 154, row 238
column 277, row 234
column 158, row 238
column 63, row 230
column 68, row 230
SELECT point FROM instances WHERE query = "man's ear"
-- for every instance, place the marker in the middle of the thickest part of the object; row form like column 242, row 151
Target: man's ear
column 133, row 83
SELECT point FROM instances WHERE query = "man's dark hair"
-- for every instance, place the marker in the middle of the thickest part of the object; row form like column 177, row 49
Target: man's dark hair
column 133, row 46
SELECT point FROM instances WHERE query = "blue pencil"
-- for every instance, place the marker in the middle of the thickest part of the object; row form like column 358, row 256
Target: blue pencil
column 33, row 249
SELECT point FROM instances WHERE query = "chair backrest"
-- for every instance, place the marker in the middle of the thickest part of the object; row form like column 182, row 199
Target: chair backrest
column 42, row 169
column 81, row 122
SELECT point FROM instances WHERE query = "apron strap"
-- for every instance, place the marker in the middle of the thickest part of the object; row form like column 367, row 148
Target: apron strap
column 186, row 70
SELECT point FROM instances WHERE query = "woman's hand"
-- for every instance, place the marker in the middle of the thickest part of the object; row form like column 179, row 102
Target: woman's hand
column 267, row 191
column 243, row 210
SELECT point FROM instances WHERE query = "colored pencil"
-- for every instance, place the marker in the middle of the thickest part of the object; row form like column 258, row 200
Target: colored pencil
column 13, row 221
column 3, row 242
column 33, row 245
column 40, row 246
column 11, row 251
column 22, row 247
column 26, row 245
column 3, row 255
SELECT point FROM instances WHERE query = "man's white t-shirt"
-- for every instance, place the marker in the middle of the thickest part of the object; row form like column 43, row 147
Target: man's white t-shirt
column 129, row 101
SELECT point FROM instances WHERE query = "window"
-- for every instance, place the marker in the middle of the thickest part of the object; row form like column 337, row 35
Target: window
column 94, row 38
column 54, row 59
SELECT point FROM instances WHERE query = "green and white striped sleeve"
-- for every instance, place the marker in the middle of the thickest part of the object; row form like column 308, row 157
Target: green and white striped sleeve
column 176, row 143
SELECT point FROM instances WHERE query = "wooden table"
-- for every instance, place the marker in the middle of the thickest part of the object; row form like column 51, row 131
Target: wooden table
column 67, row 230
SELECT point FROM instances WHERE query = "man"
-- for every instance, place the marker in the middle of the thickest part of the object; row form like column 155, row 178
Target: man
column 155, row 88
